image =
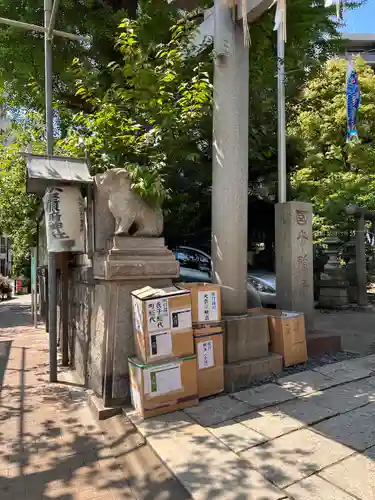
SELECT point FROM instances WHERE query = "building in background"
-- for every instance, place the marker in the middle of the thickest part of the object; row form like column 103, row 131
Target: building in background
column 360, row 44
column 5, row 256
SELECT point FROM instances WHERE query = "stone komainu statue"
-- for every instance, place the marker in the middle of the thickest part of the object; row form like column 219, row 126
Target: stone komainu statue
column 130, row 211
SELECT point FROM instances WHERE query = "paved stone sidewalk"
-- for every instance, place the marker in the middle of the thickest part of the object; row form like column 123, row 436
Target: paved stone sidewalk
column 311, row 436
column 50, row 445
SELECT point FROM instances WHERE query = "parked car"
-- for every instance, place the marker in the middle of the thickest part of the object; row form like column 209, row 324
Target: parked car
column 196, row 265
column 264, row 283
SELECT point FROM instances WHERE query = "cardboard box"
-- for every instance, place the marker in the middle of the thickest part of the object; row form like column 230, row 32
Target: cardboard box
column 287, row 334
column 209, row 348
column 162, row 323
column 163, row 387
column 206, row 302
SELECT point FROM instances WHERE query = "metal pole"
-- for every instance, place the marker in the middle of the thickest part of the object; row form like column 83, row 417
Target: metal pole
column 42, row 29
column 52, row 19
column 34, row 286
column 37, row 283
column 52, row 285
column 52, row 313
column 281, row 116
column 48, row 77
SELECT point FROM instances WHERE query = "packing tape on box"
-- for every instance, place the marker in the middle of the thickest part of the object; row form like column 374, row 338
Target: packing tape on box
column 185, row 399
column 208, row 335
column 164, row 362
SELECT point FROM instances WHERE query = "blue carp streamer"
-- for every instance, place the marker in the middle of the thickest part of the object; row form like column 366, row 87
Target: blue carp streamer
column 353, row 100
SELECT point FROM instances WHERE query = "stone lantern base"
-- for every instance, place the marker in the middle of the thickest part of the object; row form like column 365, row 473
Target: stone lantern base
column 333, row 294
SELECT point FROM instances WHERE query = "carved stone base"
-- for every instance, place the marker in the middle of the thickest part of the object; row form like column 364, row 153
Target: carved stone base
column 132, row 258
column 131, row 263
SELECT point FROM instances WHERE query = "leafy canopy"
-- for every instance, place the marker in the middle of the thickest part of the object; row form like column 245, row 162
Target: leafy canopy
column 17, row 208
column 149, row 119
column 333, row 172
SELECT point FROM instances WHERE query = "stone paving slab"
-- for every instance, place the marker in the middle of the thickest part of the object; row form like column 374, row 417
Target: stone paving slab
column 345, row 397
column 367, row 362
column 306, row 411
column 162, row 423
column 355, row 428
column 304, row 383
column 270, row 422
column 316, row 488
column 208, row 469
column 370, row 381
column 236, row 436
column 264, row 395
column 343, row 372
column 214, row 411
column 294, row 456
column 355, row 474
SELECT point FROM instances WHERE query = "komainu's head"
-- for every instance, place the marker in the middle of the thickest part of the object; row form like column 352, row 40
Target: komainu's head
column 115, row 179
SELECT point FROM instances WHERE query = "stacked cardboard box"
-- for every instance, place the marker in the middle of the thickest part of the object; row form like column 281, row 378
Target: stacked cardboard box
column 163, row 373
column 287, row 335
column 208, row 337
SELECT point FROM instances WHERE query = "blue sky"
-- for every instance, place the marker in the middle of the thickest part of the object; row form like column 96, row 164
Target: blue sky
column 361, row 20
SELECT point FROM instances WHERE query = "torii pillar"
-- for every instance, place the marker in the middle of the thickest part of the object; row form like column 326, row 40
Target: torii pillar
column 246, row 336
column 230, row 151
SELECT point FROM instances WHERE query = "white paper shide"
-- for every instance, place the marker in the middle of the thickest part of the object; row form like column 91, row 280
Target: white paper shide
column 65, row 221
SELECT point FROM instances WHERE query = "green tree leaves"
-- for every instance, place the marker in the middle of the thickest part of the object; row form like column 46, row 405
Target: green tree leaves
column 334, row 172
column 17, row 208
column 150, row 118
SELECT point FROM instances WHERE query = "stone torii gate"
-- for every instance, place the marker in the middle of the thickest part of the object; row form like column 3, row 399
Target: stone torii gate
column 294, row 256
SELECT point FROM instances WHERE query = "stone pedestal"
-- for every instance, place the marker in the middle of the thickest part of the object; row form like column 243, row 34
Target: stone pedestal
column 131, row 263
column 294, row 259
column 240, row 375
column 246, row 337
column 246, row 351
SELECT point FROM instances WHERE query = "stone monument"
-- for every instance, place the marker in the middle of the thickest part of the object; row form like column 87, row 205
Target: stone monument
column 128, row 254
column 294, row 259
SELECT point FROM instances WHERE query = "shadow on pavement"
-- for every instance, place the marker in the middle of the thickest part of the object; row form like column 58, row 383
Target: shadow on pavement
column 13, row 315
column 50, row 447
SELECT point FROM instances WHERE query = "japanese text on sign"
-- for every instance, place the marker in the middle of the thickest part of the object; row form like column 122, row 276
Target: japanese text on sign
column 205, row 354
column 302, row 238
column 301, row 217
column 208, row 306
column 158, row 314
column 54, row 214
